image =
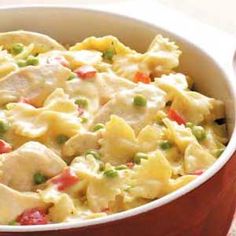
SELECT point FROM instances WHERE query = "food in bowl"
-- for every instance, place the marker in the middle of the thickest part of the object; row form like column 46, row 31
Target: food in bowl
column 97, row 128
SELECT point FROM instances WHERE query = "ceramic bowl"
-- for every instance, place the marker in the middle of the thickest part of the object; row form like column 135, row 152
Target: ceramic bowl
column 205, row 207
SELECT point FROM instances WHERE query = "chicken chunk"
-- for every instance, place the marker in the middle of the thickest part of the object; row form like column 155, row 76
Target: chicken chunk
column 17, row 168
column 13, row 203
column 33, row 82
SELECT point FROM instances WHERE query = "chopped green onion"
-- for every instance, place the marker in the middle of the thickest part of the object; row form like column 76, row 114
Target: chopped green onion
column 121, row 167
column 98, row 127
column 33, row 61
column 199, row 133
column 138, row 156
column 189, row 125
column 140, row 100
column 4, row 126
column 81, row 102
column 21, row 63
column 39, row 178
column 94, row 153
column 17, row 48
column 108, row 54
column 165, row 145
column 110, row 173
column 61, row 139
column 83, row 120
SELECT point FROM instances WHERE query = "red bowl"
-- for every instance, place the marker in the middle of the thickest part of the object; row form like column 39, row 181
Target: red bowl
column 203, row 207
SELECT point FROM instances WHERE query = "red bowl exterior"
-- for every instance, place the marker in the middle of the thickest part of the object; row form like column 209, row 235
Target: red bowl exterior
column 206, row 211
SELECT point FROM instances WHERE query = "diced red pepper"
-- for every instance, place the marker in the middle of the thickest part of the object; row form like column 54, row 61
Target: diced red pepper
column 198, row 172
column 86, row 72
column 58, row 60
column 142, row 77
column 65, row 180
column 35, row 216
column 130, row 164
column 5, row 147
column 174, row 115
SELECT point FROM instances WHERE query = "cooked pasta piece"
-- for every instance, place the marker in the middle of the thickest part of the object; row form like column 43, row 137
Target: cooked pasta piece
column 102, row 44
column 102, row 191
column 161, row 58
column 151, row 177
column 42, row 42
column 196, row 107
column 58, row 115
column 118, row 144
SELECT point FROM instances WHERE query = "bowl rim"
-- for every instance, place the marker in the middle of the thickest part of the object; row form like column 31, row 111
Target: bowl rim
column 226, row 156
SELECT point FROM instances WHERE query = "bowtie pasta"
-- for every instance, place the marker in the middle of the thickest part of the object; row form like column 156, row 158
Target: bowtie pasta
column 97, row 128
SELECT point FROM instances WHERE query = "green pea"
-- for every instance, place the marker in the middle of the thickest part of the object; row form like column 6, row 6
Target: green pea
column 138, row 156
column 21, row 63
column 108, row 54
column 110, row 173
column 4, row 126
column 83, row 120
column 39, row 178
column 94, row 153
column 82, row 102
column 199, row 133
column 61, row 139
column 98, row 127
column 140, row 100
column 72, row 76
column 165, row 145
column 32, row 61
column 17, row 48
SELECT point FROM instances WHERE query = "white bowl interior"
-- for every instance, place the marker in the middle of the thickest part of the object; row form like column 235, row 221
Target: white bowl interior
column 68, row 25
